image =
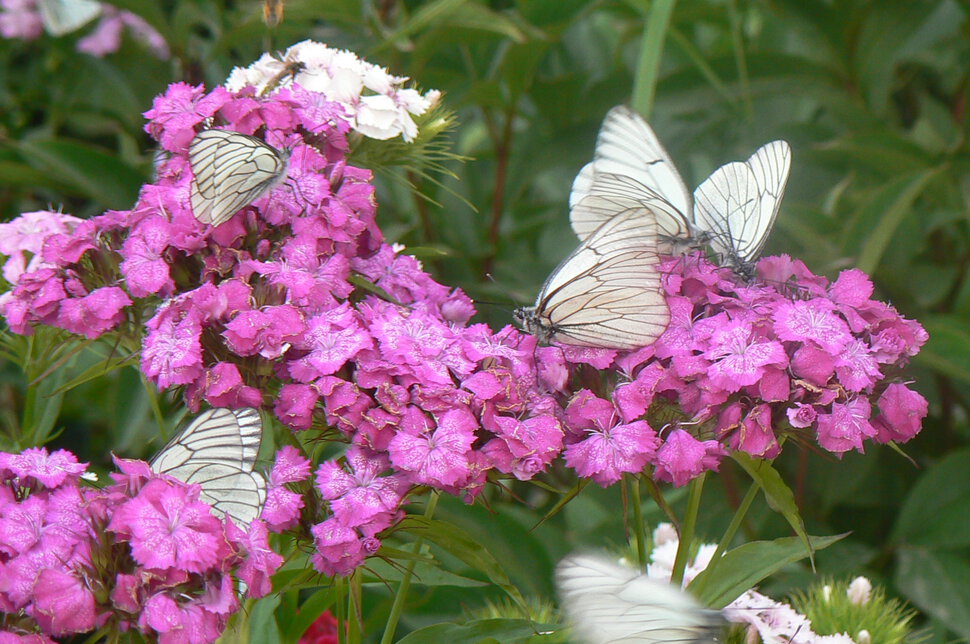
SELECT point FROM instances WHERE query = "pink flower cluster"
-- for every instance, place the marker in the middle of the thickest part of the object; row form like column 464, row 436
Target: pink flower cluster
column 22, row 19
column 789, row 355
column 265, row 311
column 143, row 553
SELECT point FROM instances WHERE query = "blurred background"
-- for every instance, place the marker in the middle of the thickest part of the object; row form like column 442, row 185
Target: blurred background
column 873, row 97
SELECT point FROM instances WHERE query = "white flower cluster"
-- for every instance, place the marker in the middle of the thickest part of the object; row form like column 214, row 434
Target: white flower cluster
column 377, row 105
column 773, row 621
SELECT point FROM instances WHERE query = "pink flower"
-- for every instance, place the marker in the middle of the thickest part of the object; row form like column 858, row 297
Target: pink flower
column 267, row 332
column 295, row 405
column 63, row 604
column 606, row 454
column 259, row 562
column 339, row 549
column 740, row 356
column 434, row 455
column 50, row 470
column 812, row 320
column 94, row 314
column 167, row 527
column 682, row 457
column 846, row 427
column 901, row 413
column 356, row 497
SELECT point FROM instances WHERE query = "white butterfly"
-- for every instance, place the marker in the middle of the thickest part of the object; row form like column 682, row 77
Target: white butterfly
column 64, row 16
column 218, row 451
column 611, row 604
column 231, row 170
column 735, row 207
column 607, row 292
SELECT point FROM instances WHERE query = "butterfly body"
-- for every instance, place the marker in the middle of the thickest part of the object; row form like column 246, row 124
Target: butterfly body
column 218, row 451
column 230, row 171
column 612, row 604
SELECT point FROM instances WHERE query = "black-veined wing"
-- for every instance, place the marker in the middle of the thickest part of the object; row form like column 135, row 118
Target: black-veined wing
column 738, row 203
column 606, row 293
column 609, row 604
column 231, row 170
column 64, row 16
column 630, row 162
column 218, row 451
column 614, row 193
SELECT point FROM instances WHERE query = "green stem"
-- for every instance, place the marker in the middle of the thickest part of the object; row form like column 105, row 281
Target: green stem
column 651, row 51
column 340, row 583
column 740, row 59
column 732, row 529
column 639, row 527
column 687, row 531
column 354, row 631
column 398, row 607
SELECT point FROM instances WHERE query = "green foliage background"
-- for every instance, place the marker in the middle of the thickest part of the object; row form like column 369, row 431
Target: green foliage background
column 873, row 96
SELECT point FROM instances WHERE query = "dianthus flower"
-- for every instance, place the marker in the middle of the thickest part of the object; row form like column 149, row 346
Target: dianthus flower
column 165, row 563
column 268, row 310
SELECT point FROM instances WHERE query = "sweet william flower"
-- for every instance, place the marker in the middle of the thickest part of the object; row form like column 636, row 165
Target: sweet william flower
column 168, row 526
column 63, row 604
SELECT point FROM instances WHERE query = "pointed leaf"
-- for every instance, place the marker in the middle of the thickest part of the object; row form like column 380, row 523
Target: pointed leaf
column 745, row 566
column 777, row 493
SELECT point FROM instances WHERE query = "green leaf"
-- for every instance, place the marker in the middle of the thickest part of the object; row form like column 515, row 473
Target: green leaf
column 262, row 625
column 456, row 13
column 466, row 547
column 874, row 224
column 314, row 606
column 777, row 493
column 90, row 171
column 935, row 512
column 743, row 567
column 20, row 174
column 425, row 574
column 948, row 349
column 938, row 583
column 481, row 631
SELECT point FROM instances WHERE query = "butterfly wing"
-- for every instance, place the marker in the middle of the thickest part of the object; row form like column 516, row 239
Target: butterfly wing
column 64, row 16
column 631, row 162
column 616, row 192
column 230, row 170
column 218, row 451
column 738, row 203
column 607, row 292
column 610, row 604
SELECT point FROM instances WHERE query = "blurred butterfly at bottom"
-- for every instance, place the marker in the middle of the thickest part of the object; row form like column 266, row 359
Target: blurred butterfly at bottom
column 607, row 603
column 218, row 451
column 230, row 171
column 606, row 293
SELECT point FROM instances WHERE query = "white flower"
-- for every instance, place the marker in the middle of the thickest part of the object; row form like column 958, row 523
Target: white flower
column 375, row 101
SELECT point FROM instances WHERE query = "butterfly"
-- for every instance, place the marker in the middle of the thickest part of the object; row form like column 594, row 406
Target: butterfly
column 732, row 211
column 64, row 16
column 607, row 292
column 231, row 170
column 608, row 604
column 218, row 451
